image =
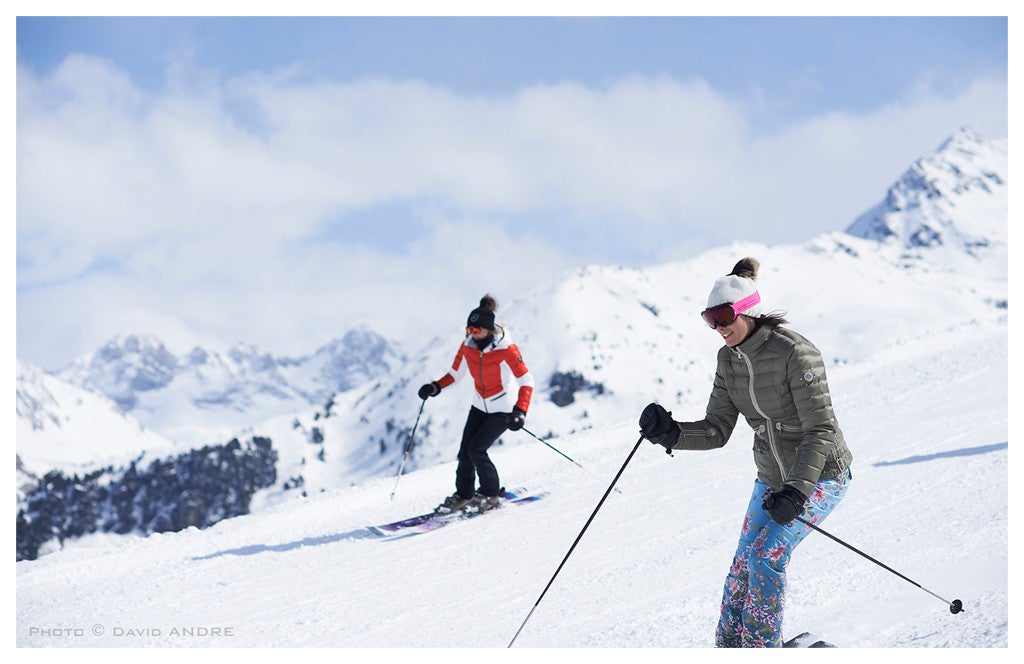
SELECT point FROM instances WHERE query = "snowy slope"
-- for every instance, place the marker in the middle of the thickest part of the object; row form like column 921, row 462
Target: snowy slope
column 927, row 422
column 63, row 426
column 637, row 335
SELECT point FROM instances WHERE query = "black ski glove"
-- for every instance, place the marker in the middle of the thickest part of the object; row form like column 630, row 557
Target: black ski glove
column 516, row 419
column 431, row 389
column 657, row 426
column 784, row 505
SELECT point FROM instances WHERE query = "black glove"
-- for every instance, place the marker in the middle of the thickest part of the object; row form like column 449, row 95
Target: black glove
column 784, row 505
column 516, row 419
column 657, row 426
column 431, row 389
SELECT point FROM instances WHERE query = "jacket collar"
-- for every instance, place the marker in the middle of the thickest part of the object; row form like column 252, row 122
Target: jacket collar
column 756, row 340
column 500, row 339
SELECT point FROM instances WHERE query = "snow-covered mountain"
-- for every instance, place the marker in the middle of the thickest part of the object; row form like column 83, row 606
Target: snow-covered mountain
column 948, row 207
column 601, row 341
column 63, row 426
column 206, row 395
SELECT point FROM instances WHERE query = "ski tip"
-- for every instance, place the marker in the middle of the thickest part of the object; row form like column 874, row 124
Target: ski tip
column 803, row 640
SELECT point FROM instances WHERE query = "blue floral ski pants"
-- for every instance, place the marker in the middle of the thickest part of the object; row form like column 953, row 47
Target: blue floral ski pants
column 755, row 589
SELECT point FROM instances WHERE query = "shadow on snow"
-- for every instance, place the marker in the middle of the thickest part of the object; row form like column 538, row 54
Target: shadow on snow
column 966, row 451
column 255, row 549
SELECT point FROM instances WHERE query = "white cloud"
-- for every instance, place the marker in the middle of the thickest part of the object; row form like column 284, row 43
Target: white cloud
column 201, row 204
column 289, row 303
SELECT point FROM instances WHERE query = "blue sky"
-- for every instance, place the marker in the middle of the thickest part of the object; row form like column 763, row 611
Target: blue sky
column 797, row 66
column 275, row 180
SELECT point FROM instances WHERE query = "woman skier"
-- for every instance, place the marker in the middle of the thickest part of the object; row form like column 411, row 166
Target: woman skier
column 499, row 372
column 775, row 378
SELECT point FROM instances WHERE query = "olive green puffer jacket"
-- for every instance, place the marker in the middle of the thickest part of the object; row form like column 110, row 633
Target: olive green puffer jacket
column 776, row 380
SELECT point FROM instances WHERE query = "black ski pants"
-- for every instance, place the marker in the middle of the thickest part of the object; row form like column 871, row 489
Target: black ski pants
column 481, row 430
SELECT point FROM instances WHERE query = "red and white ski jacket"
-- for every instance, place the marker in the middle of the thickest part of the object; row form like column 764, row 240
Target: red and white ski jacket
column 496, row 370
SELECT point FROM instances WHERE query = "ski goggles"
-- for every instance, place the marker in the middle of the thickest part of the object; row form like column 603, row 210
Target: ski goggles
column 474, row 330
column 725, row 314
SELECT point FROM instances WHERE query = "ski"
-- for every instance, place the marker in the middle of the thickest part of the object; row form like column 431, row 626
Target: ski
column 424, row 523
column 806, row 640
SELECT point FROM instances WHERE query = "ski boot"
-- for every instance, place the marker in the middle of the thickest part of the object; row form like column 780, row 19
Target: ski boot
column 453, row 503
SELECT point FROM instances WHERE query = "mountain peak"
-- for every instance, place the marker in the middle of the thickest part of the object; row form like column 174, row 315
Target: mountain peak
column 184, row 396
column 126, row 364
column 947, row 201
column 965, row 140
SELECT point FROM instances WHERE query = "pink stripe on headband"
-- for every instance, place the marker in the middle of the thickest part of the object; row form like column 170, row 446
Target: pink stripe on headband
column 746, row 303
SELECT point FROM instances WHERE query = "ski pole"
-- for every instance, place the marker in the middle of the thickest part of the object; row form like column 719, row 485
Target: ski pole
column 408, row 449
column 577, row 463
column 956, row 606
column 578, row 538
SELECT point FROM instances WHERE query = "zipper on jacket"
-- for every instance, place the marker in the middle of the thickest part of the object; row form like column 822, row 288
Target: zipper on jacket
column 757, row 407
column 483, row 388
